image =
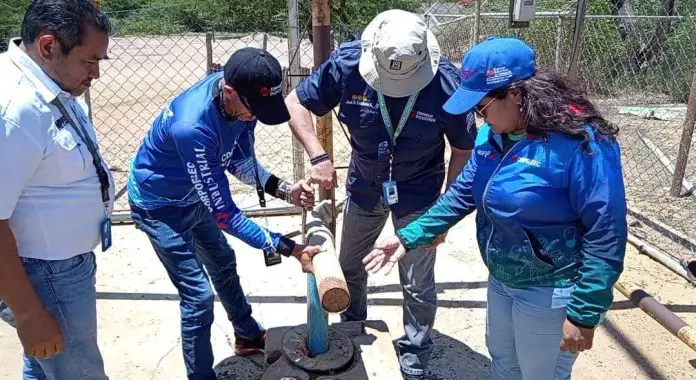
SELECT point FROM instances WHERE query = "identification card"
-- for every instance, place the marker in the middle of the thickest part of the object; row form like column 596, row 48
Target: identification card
column 389, row 193
column 106, row 234
column 271, row 257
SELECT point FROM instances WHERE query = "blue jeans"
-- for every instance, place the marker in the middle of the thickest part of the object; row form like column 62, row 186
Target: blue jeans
column 186, row 239
column 524, row 332
column 416, row 272
column 66, row 289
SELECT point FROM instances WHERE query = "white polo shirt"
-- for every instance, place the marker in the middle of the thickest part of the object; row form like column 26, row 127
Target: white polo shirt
column 49, row 188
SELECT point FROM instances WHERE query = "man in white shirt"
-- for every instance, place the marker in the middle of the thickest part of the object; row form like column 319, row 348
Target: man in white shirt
column 56, row 193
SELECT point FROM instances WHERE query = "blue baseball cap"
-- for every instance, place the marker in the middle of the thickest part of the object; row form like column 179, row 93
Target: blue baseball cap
column 493, row 63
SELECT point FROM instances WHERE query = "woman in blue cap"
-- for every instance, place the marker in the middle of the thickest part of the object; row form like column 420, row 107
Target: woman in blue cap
column 546, row 180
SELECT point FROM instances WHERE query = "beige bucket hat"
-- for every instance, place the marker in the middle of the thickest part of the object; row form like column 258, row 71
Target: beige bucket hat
column 399, row 54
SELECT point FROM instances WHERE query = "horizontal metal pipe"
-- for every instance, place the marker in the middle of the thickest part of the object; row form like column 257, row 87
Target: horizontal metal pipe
column 124, row 217
column 661, row 257
column 673, row 234
column 675, row 325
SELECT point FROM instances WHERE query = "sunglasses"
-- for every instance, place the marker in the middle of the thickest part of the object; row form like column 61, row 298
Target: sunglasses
column 479, row 110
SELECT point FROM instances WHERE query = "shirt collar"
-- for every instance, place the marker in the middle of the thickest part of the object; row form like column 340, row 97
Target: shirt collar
column 44, row 85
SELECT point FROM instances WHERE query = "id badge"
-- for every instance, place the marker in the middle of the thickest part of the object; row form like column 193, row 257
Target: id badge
column 106, row 234
column 389, row 193
column 271, row 257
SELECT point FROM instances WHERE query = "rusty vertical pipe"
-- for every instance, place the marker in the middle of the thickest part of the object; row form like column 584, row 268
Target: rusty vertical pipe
column 675, row 325
column 321, row 32
column 685, row 142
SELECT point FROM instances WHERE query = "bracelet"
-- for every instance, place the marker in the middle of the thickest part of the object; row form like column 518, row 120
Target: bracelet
column 318, row 159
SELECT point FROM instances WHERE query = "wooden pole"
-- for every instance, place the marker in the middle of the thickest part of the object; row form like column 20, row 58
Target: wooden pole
column 559, row 44
column 578, row 36
column 321, row 32
column 685, row 142
column 294, row 68
column 477, row 24
column 208, row 52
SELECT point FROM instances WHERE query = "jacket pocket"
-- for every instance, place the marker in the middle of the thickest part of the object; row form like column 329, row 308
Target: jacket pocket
column 538, row 250
column 555, row 245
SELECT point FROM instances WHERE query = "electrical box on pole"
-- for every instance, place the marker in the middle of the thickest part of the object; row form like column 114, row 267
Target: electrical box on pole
column 522, row 13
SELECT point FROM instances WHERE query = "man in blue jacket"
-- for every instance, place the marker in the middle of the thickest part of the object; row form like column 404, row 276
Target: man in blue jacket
column 180, row 197
column 390, row 88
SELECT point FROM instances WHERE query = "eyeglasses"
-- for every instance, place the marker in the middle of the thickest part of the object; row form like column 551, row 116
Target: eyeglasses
column 245, row 102
column 479, row 110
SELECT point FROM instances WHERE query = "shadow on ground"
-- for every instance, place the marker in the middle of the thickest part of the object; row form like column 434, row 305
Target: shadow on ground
column 454, row 360
column 450, row 360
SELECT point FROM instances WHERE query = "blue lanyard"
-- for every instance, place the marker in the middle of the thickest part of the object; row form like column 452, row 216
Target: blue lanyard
column 386, row 118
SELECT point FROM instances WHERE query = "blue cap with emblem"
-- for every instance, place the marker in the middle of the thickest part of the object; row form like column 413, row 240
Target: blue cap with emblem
column 493, row 63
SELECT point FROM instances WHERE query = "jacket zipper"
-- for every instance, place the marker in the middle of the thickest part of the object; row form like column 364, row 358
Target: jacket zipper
column 485, row 194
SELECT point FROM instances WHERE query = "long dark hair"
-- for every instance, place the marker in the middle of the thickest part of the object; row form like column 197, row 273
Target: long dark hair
column 552, row 103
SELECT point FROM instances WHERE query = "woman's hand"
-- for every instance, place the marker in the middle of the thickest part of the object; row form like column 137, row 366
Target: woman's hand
column 386, row 253
column 576, row 339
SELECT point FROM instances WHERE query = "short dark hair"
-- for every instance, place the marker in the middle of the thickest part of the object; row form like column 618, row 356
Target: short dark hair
column 68, row 20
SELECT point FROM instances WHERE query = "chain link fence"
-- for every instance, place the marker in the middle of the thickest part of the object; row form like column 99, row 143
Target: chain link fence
column 637, row 64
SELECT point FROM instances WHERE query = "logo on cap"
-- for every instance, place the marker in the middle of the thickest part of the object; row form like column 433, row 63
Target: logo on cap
column 265, row 91
column 466, row 74
column 395, row 65
column 498, row 75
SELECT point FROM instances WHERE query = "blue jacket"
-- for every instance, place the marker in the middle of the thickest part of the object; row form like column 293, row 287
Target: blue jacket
column 549, row 214
column 419, row 165
column 184, row 157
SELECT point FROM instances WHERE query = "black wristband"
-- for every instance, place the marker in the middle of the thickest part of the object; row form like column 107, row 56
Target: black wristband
column 286, row 246
column 578, row 324
column 278, row 188
column 318, row 159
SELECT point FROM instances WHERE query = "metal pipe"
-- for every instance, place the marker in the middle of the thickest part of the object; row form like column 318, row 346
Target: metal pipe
column 675, row 325
column 659, row 256
column 673, row 234
column 123, row 217
column 317, row 320
column 664, row 160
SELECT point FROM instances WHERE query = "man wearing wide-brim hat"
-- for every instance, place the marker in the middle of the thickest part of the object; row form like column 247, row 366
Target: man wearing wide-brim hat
column 390, row 88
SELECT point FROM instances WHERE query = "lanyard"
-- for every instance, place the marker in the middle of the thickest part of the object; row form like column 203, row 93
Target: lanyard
column 257, row 179
column 91, row 147
column 386, row 118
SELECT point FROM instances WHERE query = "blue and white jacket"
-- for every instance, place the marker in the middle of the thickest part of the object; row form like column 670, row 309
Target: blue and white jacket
column 183, row 160
column 550, row 213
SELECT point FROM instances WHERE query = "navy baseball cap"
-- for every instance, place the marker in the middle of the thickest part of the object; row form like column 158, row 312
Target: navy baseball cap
column 493, row 63
column 257, row 76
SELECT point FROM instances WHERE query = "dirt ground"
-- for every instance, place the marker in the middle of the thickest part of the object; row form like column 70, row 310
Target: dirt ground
column 139, row 326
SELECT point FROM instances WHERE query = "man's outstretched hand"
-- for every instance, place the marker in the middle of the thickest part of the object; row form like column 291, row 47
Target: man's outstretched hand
column 304, row 254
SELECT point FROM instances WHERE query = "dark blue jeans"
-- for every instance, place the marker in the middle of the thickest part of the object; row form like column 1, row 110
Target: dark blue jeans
column 186, row 239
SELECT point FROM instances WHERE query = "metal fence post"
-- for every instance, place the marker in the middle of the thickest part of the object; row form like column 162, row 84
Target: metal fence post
column 321, row 31
column 685, row 142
